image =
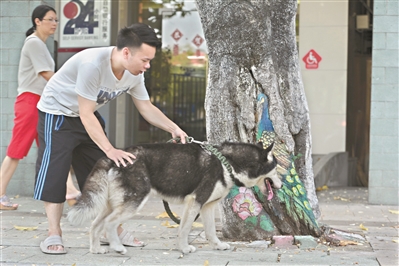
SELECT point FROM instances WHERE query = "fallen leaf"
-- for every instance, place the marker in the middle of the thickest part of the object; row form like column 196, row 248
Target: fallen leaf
column 206, row 263
column 196, row 225
column 24, row 228
column 322, row 188
column 165, row 215
column 394, row 212
column 167, row 224
column 361, row 226
column 347, row 242
column 395, row 241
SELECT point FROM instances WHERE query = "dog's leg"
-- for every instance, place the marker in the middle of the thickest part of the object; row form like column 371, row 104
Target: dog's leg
column 208, row 217
column 191, row 209
column 96, row 230
column 111, row 224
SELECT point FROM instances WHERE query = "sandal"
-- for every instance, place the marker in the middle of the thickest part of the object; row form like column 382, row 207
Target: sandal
column 52, row 241
column 6, row 204
column 126, row 238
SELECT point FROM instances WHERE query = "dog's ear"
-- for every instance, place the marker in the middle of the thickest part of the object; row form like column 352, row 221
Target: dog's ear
column 260, row 144
column 269, row 152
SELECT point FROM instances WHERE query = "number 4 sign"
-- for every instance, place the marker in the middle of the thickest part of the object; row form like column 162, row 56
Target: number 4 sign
column 85, row 23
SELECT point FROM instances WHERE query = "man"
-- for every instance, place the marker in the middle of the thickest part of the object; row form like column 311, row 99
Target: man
column 72, row 132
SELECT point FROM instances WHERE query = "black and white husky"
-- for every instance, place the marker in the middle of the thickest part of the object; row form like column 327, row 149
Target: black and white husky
column 177, row 173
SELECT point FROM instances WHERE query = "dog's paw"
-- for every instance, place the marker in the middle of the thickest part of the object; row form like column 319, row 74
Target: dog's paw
column 99, row 250
column 222, row 246
column 119, row 248
column 188, row 249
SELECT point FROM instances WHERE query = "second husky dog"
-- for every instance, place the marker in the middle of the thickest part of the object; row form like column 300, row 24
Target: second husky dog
column 177, row 173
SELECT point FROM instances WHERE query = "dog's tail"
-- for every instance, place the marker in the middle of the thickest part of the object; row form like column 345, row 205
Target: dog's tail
column 94, row 198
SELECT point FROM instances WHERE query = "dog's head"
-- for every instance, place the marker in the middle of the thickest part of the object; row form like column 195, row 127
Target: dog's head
column 254, row 166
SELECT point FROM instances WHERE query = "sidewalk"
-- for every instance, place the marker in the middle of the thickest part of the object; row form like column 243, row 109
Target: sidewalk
column 343, row 209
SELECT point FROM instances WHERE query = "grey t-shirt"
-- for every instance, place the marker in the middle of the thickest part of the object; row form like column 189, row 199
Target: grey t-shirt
column 35, row 58
column 88, row 74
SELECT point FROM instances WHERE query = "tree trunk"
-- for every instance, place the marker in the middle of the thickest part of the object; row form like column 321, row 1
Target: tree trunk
column 252, row 51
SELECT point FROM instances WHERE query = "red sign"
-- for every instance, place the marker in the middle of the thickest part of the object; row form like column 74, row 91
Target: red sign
column 198, row 40
column 312, row 59
column 175, row 49
column 177, row 35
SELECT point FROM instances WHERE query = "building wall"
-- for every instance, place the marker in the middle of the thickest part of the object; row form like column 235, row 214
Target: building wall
column 323, row 27
column 384, row 137
column 15, row 20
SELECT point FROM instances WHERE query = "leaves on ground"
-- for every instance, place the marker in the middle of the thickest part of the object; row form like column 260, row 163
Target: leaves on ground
column 165, row 215
column 361, row 226
column 341, row 198
column 322, row 188
column 24, row 228
column 347, row 242
column 394, row 212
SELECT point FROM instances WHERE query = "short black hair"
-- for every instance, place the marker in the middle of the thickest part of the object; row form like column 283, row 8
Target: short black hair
column 39, row 12
column 135, row 35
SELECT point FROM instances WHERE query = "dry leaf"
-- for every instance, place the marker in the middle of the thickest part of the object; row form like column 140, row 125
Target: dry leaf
column 196, row 225
column 206, row 263
column 394, row 212
column 168, row 225
column 361, row 226
column 395, row 241
column 165, row 215
column 347, row 242
column 24, row 228
column 321, row 188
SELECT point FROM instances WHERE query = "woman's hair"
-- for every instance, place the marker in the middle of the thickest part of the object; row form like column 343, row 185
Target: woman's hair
column 135, row 35
column 39, row 12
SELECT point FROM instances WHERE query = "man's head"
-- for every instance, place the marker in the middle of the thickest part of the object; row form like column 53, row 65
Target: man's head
column 135, row 35
column 137, row 44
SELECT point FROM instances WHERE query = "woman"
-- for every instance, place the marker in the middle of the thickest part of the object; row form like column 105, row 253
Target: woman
column 36, row 67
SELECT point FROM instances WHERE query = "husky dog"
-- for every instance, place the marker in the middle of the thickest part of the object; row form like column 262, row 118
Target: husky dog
column 177, row 173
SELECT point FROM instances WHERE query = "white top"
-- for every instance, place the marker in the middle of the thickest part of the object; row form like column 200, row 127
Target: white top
column 35, row 58
column 88, row 74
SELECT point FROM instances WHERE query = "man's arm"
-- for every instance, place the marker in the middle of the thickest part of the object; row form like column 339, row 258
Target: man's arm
column 155, row 117
column 96, row 133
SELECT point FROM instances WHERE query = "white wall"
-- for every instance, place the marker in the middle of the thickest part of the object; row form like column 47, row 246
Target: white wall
column 323, row 27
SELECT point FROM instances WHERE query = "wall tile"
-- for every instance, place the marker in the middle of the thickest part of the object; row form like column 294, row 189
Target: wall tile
column 4, row 24
column 325, row 91
column 375, row 178
column 386, row 23
column 379, row 40
column 332, row 129
column 384, row 161
column 384, row 195
column 393, row 41
column 4, row 57
column 382, row 92
column 378, row 75
column 20, row 24
column 383, row 127
column 391, row 177
column 17, row 9
column 392, row 77
column 385, row 58
column 324, row 13
column 384, row 144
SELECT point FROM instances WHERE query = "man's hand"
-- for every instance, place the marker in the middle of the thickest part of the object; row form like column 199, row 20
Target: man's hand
column 120, row 156
column 178, row 133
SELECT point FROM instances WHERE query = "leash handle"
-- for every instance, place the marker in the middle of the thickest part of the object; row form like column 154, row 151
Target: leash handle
column 188, row 140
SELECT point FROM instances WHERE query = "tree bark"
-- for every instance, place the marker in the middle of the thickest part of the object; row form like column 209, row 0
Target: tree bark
column 252, row 50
